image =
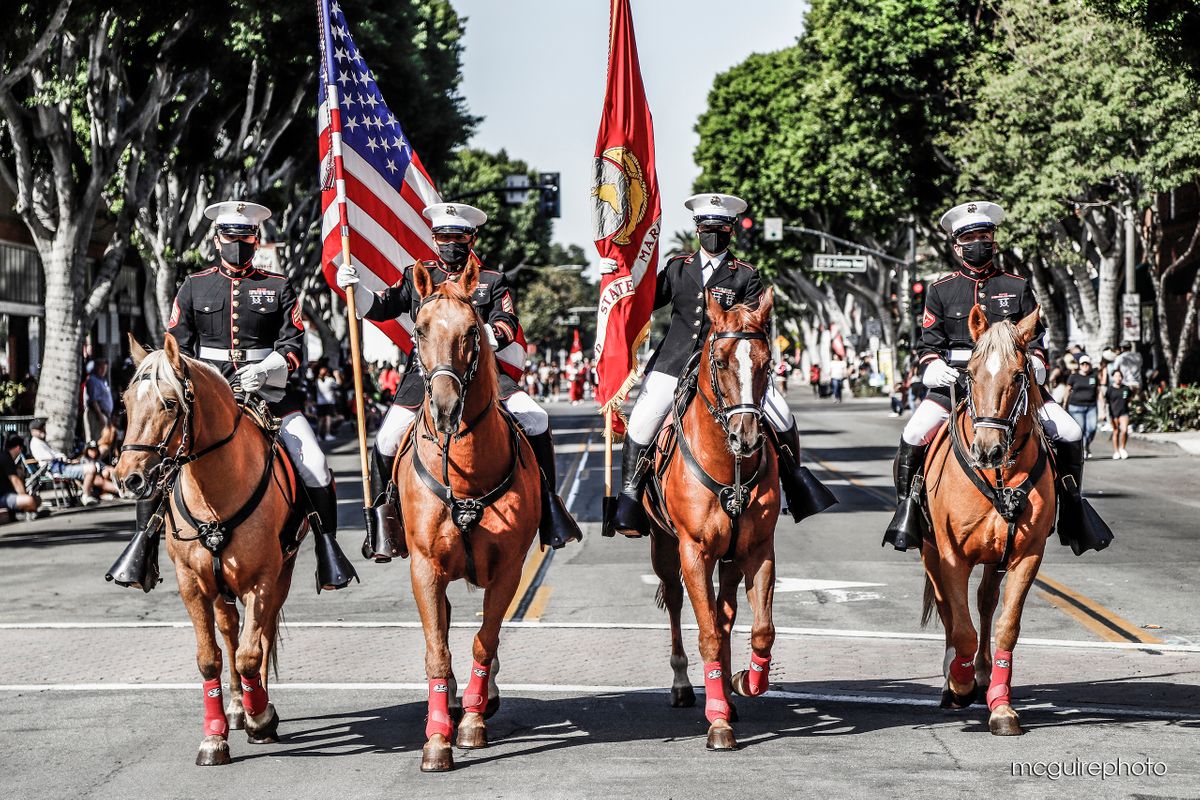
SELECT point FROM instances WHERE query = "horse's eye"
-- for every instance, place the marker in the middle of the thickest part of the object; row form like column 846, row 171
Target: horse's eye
column 169, row 404
column 720, row 364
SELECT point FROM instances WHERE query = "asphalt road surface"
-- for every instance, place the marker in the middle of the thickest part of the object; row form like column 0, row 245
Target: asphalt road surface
column 101, row 698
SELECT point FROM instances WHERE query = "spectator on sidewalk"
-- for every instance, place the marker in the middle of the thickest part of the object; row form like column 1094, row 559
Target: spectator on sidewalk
column 15, row 496
column 1117, row 397
column 86, row 474
column 326, row 384
column 1082, row 396
column 814, row 378
column 97, row 402
column 837, row 376
column 1129, row 362
column 897, row 399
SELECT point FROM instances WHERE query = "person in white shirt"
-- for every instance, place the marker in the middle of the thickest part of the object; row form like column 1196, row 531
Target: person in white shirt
column 87, row 474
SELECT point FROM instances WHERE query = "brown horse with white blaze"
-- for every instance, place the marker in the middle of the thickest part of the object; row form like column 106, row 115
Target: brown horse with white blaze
column 992, row 502
column 470, row 497
column 714, row 498
column 231, row 507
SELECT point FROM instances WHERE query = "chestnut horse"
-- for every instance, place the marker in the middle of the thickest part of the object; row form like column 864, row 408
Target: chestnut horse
column 470, row 499
column 231, row 507
column 714, row 497
column 991, row 502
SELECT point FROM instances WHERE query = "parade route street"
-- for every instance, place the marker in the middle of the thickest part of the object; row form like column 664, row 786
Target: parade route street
column 101, row 697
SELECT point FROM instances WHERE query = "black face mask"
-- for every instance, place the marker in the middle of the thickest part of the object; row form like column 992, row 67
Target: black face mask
column 715, row 242
column 237, row 253
column 454, row 254
column 978, row 254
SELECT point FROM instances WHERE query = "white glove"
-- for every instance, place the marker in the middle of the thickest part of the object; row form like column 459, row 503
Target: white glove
column 346, row 277
column 939, row 375
column 253, row 377
column 608, row 266
column 491, row 334
column 1039, row 369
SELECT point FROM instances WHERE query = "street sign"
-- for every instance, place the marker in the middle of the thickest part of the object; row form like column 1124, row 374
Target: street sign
column 516, row 182
column 839, row 263
column 1131, row 318
column 772, row 229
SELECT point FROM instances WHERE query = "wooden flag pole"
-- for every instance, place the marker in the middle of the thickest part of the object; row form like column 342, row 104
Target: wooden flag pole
column 608, row 452
column 359, row 400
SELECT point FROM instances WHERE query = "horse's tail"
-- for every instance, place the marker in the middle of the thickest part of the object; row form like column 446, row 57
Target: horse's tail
column 276, row 643
column 660, row 598
column 929, row 603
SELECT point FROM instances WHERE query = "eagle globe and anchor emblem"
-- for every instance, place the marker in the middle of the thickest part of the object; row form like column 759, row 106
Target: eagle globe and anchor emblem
column 619, row 195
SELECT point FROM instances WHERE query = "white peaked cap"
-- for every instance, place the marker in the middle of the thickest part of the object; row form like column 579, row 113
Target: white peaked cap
column 454, row 216
column 237, row 212
column 972, row 216
column 709, row 205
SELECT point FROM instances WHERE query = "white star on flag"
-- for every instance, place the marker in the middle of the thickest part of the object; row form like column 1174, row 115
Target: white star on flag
column 391, row 166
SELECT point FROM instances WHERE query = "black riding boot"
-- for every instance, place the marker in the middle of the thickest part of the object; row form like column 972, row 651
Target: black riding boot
column 629, row 517
column 905, row 529
column 557, row 526
column 385, row 528
column 137, row 566
column 1079, row 526
column 804, row 493
column 334, row 570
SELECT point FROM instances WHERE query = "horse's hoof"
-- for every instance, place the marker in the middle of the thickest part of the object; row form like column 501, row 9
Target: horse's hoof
column 955, row 701
column 493, row 705
column 265, row 731
column 720, row 736
column 472, row 735
column 1005, row 724
column 741, row 683
column 214, row 752
column 683, row 696
column 436, row 755
column 235, row 713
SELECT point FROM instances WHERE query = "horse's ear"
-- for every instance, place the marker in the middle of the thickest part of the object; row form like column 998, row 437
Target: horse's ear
column 1027, row 328
column 136, row 350
column 422, row 280
column 977, row 322
column 716, row 313
column 470, row 276
column 171, row 348
column 762, row 314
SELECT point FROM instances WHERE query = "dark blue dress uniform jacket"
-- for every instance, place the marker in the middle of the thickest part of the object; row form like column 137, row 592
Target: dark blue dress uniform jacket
column 945, row 329
column 242, row 311
column 680, row 285
column 491, row 298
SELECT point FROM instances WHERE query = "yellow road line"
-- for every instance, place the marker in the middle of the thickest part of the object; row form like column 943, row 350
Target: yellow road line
column 538, row 605
column 533, row 562
column 1094, row 617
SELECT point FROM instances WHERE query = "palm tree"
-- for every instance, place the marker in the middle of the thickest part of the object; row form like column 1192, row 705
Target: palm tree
column 683, row 242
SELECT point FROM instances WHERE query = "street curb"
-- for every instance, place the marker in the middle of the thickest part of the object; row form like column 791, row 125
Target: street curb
column 1188, row 443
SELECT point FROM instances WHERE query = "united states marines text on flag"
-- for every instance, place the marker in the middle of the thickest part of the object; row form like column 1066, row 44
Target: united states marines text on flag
column 625, row 211
column 372, row 180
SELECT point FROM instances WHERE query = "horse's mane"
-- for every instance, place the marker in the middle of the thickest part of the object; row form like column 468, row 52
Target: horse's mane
column 1002, row 340
column 741, row 317
column 156, row 368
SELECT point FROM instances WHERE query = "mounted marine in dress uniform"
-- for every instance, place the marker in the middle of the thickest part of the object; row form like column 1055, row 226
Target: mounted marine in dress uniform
column 683, row 284
column 944, row 350
column 246, row 322
column 454, row 228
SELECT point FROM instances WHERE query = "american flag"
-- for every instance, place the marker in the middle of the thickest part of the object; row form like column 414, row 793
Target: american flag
column 385, row 186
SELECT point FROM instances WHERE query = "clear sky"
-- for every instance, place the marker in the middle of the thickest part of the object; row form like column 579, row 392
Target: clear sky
column 535, row 70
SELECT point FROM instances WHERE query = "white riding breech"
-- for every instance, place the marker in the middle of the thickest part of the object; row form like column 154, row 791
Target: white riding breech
column 929, row 417
column 533, row 419
column 306, row 453
column 658, row 394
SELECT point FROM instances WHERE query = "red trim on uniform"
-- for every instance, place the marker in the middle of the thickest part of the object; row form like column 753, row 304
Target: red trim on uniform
column 928, row 357
column 928, row 320
column 232, row 321
column 292, row 360
column 951, row 276
column 202, row 273
column 504, row 327
column 174, row 320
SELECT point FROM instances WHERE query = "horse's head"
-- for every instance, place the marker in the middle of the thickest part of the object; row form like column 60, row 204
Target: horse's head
column 737, row 365
column 449, row 345
column 998, row 384
column 159, row 406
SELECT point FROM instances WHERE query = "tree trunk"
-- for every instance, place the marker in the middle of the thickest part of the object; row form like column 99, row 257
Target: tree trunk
column 58, row 395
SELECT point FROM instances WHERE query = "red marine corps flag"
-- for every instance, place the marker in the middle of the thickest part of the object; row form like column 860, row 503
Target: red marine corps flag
column 625, row 216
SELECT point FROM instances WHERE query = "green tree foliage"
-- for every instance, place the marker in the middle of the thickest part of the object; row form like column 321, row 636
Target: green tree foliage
column 1174, row 25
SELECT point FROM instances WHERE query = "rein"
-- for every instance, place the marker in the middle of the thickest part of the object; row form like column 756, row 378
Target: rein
column 1008, row 501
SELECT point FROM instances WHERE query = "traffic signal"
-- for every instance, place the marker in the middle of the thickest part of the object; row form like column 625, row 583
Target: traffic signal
column 747, row 233
column 550, row 204
column 918, row 299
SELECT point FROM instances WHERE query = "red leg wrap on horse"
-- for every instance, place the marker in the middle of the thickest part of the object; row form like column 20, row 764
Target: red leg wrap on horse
column 758, row 676
column 476, row 695
column 254, row 696
column 962, row 668
column 214, row 709
column 439, row 709
column 715, row 705
column 1001, row 685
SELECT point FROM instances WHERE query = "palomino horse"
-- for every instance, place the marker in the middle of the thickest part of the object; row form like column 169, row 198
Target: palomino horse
column 230, row 527
column 470, row 499
column 991, row 502
column 714, row 497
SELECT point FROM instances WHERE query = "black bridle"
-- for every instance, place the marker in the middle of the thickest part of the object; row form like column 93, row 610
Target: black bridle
column 724, row 414
column 1006, row 425
column 447, row 370
column 162, row 473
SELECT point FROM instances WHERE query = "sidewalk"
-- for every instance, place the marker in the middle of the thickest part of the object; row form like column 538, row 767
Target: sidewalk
column 1188, row 440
